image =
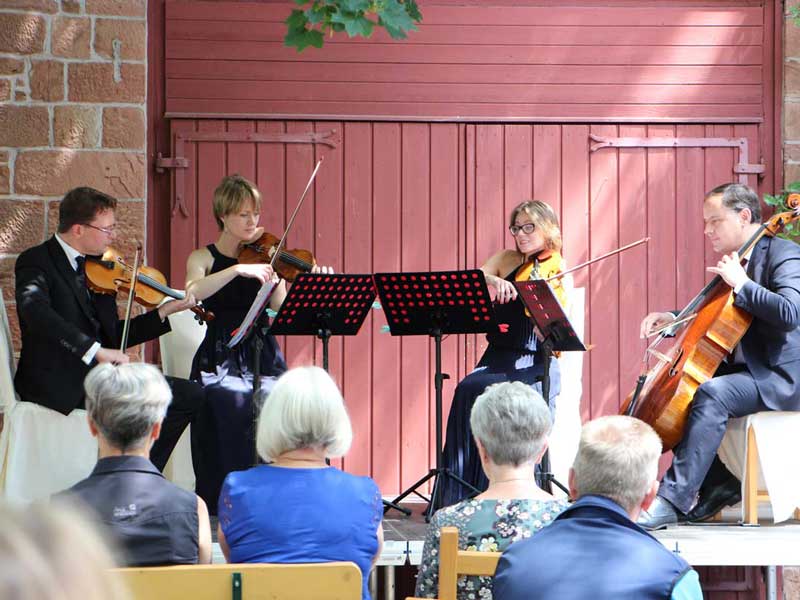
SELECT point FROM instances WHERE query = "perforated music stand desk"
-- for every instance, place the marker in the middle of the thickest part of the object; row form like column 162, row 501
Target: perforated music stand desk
column 435, row 304
column 324, row 305
column 557, row 335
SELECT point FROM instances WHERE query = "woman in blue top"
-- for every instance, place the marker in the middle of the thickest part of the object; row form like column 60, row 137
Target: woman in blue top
column 297, row 509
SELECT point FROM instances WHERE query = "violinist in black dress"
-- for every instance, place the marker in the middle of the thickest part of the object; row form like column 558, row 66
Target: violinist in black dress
column 512, row 353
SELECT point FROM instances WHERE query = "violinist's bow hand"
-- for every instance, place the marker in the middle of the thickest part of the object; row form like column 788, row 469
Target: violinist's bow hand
column 731, row 270
column 653, row 322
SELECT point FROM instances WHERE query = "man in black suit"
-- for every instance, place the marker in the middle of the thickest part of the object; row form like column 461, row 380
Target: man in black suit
column 66, row 329
column 763, row 371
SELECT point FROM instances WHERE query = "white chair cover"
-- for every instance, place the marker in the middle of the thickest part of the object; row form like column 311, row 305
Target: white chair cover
column 41, row 451
column 177, row 351
column 566, row 432
column 779, row 460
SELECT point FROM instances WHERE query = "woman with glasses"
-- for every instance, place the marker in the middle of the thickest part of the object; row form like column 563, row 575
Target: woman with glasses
column 225, row 437
column 511, row 354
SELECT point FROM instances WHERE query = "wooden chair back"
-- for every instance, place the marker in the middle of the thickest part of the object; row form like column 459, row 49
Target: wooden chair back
column 454, row 562
column 319, row 581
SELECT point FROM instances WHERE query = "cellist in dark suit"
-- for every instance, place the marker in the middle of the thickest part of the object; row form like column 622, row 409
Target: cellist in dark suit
column 762, row 373
column 66, row 329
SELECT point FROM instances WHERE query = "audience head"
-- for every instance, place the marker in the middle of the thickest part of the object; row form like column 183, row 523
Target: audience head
column 511, row 421
column 52, row 552
column 126, row 403
column 545, row 220
column 233, row 194
column 618, row 459
column 305, row 409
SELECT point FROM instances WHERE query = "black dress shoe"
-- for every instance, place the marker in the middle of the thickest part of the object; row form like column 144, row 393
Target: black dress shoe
column 715, row 499
column 660, row 514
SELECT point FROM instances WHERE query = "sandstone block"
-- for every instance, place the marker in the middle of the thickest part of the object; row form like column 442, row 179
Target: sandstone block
column 3, row 156
column 791, row 79
column 121, row 174
column 5, row 90
column 13, row 322
column 791, row 41
column 791, row 120
column 20, row 96
column 7, row 278
column 122, row 8
column 11, row 66
column 22, row 33
column 24, row 126
column 94, row 82
column 23, row 225
column 791, row 152
column 123, row 128
column 71, row 37
column 45, row 6
column 5, row 180
column 791, row 173
column 70, row 6
column 76, row 126
column 131, row 34
column 47, row 80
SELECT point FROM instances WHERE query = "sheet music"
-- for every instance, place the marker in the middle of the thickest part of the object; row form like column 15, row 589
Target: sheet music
column 258, row 306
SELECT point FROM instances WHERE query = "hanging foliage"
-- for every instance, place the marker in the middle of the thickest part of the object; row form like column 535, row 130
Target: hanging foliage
column 308, row 26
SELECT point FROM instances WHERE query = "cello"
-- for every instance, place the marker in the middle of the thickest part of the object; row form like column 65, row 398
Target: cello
column 702, row 335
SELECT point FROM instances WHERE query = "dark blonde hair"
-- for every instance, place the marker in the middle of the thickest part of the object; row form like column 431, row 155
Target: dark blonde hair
column 545, row 220
column 231, row 194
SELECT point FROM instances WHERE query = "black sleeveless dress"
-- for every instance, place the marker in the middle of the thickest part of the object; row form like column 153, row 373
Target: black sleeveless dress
column 225, row 429
column 510, row 356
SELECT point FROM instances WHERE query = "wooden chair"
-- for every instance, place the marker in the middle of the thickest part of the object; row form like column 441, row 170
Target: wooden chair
column 321, row 581
column 454, row 562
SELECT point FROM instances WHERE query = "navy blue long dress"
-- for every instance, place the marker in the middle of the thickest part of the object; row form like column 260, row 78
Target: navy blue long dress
column 510, row 356
column 225, row 430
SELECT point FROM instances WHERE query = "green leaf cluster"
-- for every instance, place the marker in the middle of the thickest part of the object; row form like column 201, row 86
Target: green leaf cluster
column 308, row 25
column 791, row 231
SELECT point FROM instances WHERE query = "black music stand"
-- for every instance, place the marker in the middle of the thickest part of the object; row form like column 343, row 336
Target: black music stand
column 324, row 305
column 435, row 304
column 556, row 334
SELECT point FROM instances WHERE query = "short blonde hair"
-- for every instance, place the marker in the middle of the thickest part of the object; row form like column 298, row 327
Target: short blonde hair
column 305, row 409
column 618, row 459
column 53, row 552
column 231, row 194
column 545, row 220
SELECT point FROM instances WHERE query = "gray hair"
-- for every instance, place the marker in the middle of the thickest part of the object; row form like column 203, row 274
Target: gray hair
column 305, row 409
column 512, row 422
column 125, row 401
column 617, row 458
column 737, row 197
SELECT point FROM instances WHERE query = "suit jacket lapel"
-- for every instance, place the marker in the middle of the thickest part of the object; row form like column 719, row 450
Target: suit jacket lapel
column 755, row 265
column 66, row 271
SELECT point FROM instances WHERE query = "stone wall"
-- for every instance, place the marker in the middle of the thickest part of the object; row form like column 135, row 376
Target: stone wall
column 791, row 99
column 72, row 112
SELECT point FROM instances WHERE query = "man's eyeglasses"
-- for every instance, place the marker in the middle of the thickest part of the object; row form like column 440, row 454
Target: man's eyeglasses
column 527, row 228
column 107, row 230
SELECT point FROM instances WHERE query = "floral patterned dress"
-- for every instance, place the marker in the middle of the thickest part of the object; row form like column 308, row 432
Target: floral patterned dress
column 485, row 526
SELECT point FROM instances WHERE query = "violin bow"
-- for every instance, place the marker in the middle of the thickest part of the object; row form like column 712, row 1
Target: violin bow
column 281, row 243
column 599, row 258
column 131, row 296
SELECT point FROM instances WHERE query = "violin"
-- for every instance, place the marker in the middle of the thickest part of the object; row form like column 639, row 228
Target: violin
column 547, row 264
column 110, row 273
column 288, row 264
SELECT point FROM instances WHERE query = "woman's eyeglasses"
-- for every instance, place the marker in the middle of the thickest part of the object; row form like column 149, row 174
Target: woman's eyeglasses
column 527, row 228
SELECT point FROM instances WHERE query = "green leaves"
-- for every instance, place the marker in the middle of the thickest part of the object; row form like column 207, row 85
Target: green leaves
column 356, row 17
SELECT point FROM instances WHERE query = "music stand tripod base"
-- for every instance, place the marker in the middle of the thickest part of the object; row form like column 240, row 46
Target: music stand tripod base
column 436, row 304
